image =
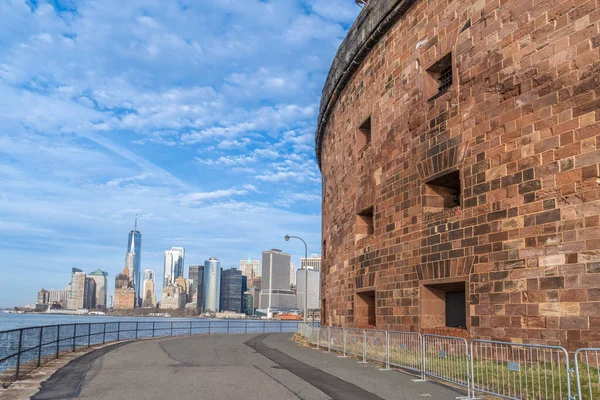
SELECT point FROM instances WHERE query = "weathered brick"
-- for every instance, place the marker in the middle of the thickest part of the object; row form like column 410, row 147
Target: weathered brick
column 522, row 127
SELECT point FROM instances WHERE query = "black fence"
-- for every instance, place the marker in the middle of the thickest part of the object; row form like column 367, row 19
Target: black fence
column 23, row 350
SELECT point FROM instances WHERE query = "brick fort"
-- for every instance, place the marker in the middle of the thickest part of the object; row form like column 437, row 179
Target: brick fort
column 459, row 144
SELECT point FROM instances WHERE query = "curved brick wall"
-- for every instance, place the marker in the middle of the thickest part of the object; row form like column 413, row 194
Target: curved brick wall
column 520, row 124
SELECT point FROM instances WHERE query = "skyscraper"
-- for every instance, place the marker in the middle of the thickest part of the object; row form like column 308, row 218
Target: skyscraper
column 125, row 297
column 276, row 293
column 174, row 262
column 250, row 268
column 314, row 289
column 43, row 297
column 76, row 290
column 100, row 277
column 212, row 284
column 292, row 273
column 149, row 299
column 200, row 289
column 133, row 261
column 231, row 290
column 313, row 262
column 193, row 277
column 89, row 300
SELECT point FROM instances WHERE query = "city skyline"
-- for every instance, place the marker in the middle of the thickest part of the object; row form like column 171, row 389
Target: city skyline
column 108, row 289
column 188, row 128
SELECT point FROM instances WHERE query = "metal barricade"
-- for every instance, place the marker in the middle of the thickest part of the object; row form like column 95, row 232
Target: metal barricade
column 324, row 337
column 520, row 371
column 337, row 338
column 587, row 372
column 406, row 351
column 447, row 358
column 313, row 335
column 355, row 344
column 302, row 330
column 376, row 345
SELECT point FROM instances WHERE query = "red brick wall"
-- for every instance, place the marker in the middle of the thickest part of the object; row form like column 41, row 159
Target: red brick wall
column 522, row 124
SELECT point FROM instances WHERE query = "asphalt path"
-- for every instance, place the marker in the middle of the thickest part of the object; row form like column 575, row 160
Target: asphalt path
column 245, row 366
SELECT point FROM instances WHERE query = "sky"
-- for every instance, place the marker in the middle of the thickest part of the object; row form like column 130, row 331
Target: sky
column 198, row 115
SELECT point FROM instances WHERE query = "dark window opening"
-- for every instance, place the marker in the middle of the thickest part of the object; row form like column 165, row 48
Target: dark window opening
column 456, row 315
column 364, row 134
column 365, row 222
column 364, row 309
column 441, row 72
column 444, row 305
column 323, row 312
column 444, row 192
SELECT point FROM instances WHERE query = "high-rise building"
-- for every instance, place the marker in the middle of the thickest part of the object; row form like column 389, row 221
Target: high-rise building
column 314, row 289
column 250, row 269
column 276, row 293
column 149, row 298
column 255, row 293
column 43, row 297
column 212, row 284
column 133, row 261
column 125, row 295
column 313, row 262
column 184, row 284
column 100, row 277
column 57, row 296
column 248, row 304
column 231, row 290
column 200, row 289
column 292, row 273
column 89, row 301
column 173, row 297
column 193, row 277
column 76, row 292
column 174, row 261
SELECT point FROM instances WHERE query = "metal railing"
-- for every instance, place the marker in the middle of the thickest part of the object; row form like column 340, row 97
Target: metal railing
column 25, row 349
column 376, row 346
column 587, row 372
column 506, row 370
column 520, row 371
column 447, row 358
column 405, row 351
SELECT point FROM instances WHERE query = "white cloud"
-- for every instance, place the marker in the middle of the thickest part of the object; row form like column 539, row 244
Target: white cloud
column 188, row 115
column 200, row 197
column 234, row 144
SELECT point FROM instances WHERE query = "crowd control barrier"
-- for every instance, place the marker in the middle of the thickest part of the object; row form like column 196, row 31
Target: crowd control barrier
column 480, row 367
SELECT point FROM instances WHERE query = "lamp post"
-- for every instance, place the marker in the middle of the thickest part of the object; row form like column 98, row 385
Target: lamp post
column 287, row 238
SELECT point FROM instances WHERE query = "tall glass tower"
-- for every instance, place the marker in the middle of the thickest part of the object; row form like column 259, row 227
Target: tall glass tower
column 134, row 253
column 212, row 284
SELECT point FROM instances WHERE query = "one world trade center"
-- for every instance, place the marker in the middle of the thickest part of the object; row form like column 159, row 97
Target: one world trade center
column 134, row 261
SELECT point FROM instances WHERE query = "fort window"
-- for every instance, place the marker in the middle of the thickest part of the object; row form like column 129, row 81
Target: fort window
column 443, row 191
column 363, row 137
column 364, row 309
column 365, row 225
column 441, row 76
column 444, row 305
column 324, row 312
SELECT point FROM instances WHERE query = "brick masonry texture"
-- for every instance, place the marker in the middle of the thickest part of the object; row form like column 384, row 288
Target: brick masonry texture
column 521, row 122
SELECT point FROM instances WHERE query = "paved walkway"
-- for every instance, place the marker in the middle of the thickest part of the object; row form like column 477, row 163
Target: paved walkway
column 250, row 366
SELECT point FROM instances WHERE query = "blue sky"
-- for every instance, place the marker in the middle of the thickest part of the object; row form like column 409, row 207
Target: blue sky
column 199, row 115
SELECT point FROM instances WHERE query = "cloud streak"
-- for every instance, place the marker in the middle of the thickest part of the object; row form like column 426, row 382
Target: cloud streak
column 198, row 116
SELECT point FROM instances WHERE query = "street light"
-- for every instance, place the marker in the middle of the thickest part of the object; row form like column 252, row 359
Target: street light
column 287, row 239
